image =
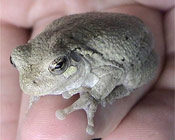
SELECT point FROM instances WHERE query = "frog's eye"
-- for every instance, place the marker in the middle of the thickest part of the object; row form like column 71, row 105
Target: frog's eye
column 59, row 65
column 11, row 61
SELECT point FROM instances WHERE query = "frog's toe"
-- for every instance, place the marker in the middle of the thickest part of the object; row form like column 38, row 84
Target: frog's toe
column 106, row 101
column 90, row 130
column 103, row 103
column 60, row 114
column 66, row 95
column 111, row 101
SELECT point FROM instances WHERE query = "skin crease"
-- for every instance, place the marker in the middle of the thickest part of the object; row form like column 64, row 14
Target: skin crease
column 145, row 120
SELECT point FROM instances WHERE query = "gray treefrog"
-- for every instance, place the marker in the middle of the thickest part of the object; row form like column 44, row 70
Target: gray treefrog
column 101, row 56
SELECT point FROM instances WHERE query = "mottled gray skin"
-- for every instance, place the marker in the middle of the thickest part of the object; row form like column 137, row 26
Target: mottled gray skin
column 108, row 55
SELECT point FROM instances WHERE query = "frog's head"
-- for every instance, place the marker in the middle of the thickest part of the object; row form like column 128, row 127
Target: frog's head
column 47, row 70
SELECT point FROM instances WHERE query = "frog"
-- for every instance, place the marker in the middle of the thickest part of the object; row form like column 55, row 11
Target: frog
column 101, row 56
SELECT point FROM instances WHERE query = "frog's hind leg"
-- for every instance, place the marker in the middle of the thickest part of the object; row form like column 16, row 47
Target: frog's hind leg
column 118, row 93
column 86, row 102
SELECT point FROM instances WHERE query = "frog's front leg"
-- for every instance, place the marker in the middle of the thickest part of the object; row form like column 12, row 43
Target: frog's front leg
column 33, row 99
column 86, row 102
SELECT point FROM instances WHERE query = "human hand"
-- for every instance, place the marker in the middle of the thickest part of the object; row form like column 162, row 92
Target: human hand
column 150, row 119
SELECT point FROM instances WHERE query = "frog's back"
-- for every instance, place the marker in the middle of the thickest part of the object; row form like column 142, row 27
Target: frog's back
column 117, row 37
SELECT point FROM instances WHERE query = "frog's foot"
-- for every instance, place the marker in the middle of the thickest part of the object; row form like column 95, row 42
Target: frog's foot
column 86, row 102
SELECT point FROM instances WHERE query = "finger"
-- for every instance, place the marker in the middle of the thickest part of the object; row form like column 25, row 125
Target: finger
column 169, row 30
column 32, row 11
column 26, row 15
column 151, row 119
column 160, row 5
column 11, row 36
column 167, row 80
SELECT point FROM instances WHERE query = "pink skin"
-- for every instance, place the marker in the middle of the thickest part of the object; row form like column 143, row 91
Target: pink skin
column 150, row 119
